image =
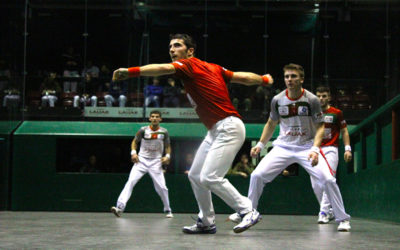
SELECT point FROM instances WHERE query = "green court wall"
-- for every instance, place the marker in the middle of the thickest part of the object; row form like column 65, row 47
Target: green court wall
column 37, row 186
column 370, row 184
column 6, row 129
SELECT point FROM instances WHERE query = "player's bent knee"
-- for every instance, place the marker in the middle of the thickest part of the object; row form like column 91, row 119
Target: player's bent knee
column 330, row 181
column 256, row 175
column 194, row 177
column 207, row 181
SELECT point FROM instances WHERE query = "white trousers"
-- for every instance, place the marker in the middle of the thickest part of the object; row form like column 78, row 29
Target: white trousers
column 109, row 99
column 153, row 167
column 212, row 161
column 331, row 156
column 49, row 99
column 279, row 158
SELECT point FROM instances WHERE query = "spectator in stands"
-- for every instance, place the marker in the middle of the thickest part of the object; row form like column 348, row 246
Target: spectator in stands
column 105, row 76
column 90, row 85
column 171, row 94
column 243, row 168
column 118, row 91
column 91, row 69
column 89, row 89
column 12, row 95
column 50, row 88
column 91, row 166
column 240, row 97
column 71, row 70
column 153, row 93
column 5, row 74
column 263, row 96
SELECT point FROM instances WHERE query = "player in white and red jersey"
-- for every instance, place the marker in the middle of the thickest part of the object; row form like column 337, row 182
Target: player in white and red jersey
column 153, row 140
column 205, row 84
column 334, row 126
column 299, row 115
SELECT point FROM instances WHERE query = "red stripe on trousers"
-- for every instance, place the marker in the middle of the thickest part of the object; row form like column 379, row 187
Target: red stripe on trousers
column 329, row 166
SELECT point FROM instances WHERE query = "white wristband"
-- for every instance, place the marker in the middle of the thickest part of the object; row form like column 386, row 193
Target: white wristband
column 133, row 152
column 347, row 148
column 260, row 145
column 168, row 156
column 315, row 149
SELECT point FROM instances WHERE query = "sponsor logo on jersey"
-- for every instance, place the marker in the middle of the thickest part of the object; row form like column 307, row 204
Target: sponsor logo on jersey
column 296, row 131
column 328, row 119
column 152, row 136
column 294, row 109
column 302, row 110
column 157, row 135
column 283, row 110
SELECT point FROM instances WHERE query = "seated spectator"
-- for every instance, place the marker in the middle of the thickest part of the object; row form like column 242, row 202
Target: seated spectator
column 49, row 89
column 262, row 97
column 171, row 94
column 243, row 168
column 91, row 166
column 152, row 93
column 240, row 97
column 71, row 70
column 105, row 76
column 118, row 91
column 5, row 74
column 91, row 69
column 12, row 95
column 89, row 89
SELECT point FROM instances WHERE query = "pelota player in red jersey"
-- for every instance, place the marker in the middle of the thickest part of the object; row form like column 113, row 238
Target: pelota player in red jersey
column 206, row 85
column 334, row 126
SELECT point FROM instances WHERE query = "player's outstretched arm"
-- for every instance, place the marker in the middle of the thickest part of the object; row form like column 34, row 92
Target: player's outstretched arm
column 248, row 78
column 266, row 135
column 147, row 70
column 346, row 142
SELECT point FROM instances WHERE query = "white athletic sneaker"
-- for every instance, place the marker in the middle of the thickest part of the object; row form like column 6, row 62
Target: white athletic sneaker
column 235, row 218
column 323, row 218
column 169, row 214
column 331, row 216
column 344, row 226
column 249, row 220
column 200, row 228
column 116, row 211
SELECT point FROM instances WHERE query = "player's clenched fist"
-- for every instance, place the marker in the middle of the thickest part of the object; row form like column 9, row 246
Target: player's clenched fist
column 255, row 151
column 314, row 158
column 270, row 79
column 135, row 158
column 165, row 160
column 347, row 156
column 120, row 74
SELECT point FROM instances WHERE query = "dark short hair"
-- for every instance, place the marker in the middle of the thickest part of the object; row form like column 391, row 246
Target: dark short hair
column 187, row 40
column 323, row 88
column 157, row 112
column 297, row 67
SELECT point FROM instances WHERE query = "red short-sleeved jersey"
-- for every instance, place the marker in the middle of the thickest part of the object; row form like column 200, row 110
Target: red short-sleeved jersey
column 205, row 84
column 334, row 122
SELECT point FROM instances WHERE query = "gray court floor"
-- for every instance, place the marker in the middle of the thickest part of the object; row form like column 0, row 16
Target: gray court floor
column 64, row 230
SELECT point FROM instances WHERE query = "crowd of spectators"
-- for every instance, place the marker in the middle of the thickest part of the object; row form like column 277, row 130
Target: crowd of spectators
column 75, row 85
